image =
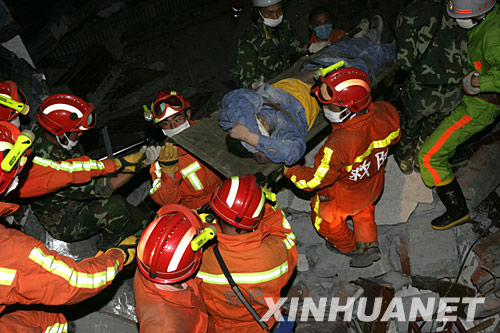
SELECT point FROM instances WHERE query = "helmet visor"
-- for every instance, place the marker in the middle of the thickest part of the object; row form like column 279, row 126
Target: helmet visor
column 167, row 106
column 323, row 91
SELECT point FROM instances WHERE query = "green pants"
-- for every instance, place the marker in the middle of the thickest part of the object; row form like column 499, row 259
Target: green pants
column 424, row 108
column 113, row 217
column 471, row 116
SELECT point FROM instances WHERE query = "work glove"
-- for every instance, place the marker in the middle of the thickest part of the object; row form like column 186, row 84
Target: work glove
column 131, row 163
column 259, row 83
column 315, row 47
column 467, row 84
column 169, row 157
column 128, row 247
column 152, row 153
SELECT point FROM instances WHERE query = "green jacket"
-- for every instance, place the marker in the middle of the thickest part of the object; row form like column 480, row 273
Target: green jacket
column 484, row 51
column 446, row 60
column 265, row 51
column 51, row 203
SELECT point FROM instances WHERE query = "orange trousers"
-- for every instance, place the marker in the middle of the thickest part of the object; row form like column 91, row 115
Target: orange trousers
column 33, row 321
column 333, row 226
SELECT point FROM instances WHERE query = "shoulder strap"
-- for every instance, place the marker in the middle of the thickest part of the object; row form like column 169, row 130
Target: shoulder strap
column 237, row 290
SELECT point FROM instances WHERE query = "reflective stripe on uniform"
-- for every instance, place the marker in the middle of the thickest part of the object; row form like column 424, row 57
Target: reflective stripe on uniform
column 439, row 143
column 157, row 181
column 246, row 278
column 290, row 237
column 57, row 328
column 478, row 65
column 69, row 166
column 74, row 278
column 7, row 276
column 375, row 144
column 190, row 173
column 317, row 220
column 319, row 174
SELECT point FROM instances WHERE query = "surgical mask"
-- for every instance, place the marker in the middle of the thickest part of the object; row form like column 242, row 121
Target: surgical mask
column 171, row 132
column 272, row 22
column 15, row 121
column 70, row 145
column 323, row 31
column 336, row 117
column 466, row 23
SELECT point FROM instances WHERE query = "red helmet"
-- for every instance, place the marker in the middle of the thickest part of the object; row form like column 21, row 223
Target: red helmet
column 8, row 136
column 167, row 104
column 62, row 113
column 164, row 252
column 240, row 202
column 9, row 89
column 346, row 87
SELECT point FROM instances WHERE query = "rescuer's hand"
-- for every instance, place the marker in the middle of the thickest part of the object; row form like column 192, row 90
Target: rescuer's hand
column 131, row 163
column 152, row 153
column 169, row 157
column 470, row 83
column 128, row 247
column 315, row 47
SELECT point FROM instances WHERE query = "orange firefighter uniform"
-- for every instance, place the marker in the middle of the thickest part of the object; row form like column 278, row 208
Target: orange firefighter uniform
column 32, row 274
column 45, row 176
column 192, row 185
column 348, row 173
column 261, row 263
column 164, row 308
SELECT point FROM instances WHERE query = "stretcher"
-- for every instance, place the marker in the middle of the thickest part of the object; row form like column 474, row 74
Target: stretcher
column 207, row 141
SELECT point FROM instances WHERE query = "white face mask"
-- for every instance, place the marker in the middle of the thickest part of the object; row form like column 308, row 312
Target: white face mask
column 466, row 23
column 171, row 132
column 336, row 117
column 15, row 121
column 272, row 22
column 70, row 145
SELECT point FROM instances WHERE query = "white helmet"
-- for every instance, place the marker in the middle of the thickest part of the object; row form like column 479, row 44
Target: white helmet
column 461, row 9
column 265, row 3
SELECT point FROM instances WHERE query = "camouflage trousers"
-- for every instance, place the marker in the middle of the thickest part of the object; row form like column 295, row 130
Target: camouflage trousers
column 114, row 218
column 424, row 107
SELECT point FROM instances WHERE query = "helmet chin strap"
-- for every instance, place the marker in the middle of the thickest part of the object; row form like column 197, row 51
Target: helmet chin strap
column 70, row 145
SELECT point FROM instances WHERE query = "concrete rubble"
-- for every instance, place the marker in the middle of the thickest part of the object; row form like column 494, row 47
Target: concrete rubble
column 409, row 246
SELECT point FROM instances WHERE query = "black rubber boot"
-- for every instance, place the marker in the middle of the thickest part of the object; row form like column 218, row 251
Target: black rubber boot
column 456, row 207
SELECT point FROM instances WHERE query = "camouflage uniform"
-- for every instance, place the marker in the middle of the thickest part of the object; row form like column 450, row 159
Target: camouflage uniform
column 80, row 211
column 265, row 51
column 432, row 89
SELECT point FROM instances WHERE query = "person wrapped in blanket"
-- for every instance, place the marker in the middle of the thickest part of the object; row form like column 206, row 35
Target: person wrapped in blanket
column 271, row 122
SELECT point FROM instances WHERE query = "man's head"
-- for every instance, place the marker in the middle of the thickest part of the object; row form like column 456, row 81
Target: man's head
column 239, row 202
column 12, row 157
column 271, row 11
column 164, row 252
column 343, row 93
column 10, row 90
column 320, row 21
column 469, row 13
column 171, row 112
column 66, row 116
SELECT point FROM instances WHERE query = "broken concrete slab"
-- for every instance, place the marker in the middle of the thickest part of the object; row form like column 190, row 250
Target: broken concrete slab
column 431, row 252
column 401, row 195
column 481, row 175
column 397, row 279
column 407, row 295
